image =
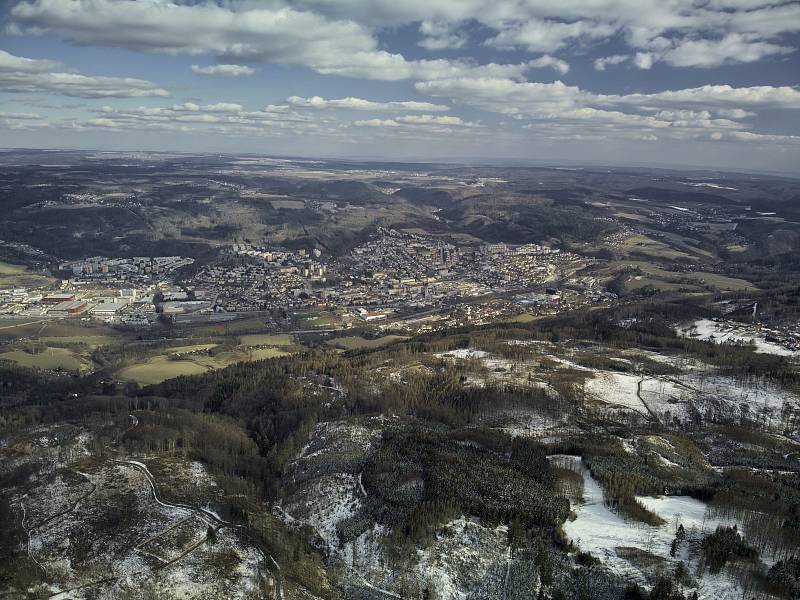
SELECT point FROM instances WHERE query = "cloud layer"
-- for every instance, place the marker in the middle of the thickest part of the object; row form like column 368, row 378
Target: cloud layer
column 20, row 74
column 492, row 73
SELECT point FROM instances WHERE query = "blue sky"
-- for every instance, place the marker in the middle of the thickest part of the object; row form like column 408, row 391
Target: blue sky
column 666, row 82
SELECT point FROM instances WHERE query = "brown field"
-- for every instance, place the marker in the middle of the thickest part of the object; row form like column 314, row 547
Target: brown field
column 21, row 276
column 49, row 359
column 266, row 339
column 355, row 342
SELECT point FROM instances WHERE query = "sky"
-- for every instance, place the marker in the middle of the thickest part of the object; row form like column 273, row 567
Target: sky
column 696, row 83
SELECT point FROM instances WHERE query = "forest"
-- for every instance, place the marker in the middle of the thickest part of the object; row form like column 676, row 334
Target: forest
column 438, row 459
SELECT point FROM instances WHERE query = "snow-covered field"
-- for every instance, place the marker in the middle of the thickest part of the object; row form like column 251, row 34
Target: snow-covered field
column 491, row 362
column 618, row 389
column 729, row 332
column 710, row 394
column 697, row 391
column 637, row 551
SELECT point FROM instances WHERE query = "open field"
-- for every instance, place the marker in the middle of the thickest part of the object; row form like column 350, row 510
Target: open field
column 58, row 331
column 14, row 328
column 639, row 244
column 167, row 366
column 523, row 318
column 50, row 358
column 355, row 342
column 265, row 353
column 317, row 320
column 288, row 204
column 187, row 349
column 265, row 339
column 91, row 341
column 244, row 326
column 672, row 280
column 20, row 276
column 158, row 369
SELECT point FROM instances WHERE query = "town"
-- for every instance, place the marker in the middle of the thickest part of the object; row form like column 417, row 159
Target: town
column 394, row 275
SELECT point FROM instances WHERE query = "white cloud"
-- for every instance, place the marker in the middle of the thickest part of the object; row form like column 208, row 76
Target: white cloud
column 447, row 120
column 734, row 113
column 228, row 31
column 547, row 36
column 226, row 107
column 20, row 116
column 719, row 97
column 341, row 37
column 551, row 62
column 103, row 122
column 505, row 96
column 225, row 118
column 79, row 86
column 377, row 123
column 19, row 64
column 567, row 110
column 433, row 122
column 747, row 136
column 269, row 33
column 224, row 70
column 344, row 38
column 673, row 115
column 600, row 64
column 644, row 60
column 22, row 121
column 361, row 104
column 27, row 75
column 733, row 48
column 440, row 35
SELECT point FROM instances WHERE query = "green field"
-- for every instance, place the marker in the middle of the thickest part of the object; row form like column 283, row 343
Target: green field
column 317, row 320
column 242, row 326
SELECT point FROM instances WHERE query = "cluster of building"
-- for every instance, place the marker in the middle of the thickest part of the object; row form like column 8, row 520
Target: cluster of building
column 404, row 256
column 394, row 269
column 124, row 270
column 393, row 273
column 128, row 306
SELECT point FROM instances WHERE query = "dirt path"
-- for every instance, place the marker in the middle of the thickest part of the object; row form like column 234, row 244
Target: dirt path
column 207, row 516
column 25, row 323
column 30, row 531
column 639, row 394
